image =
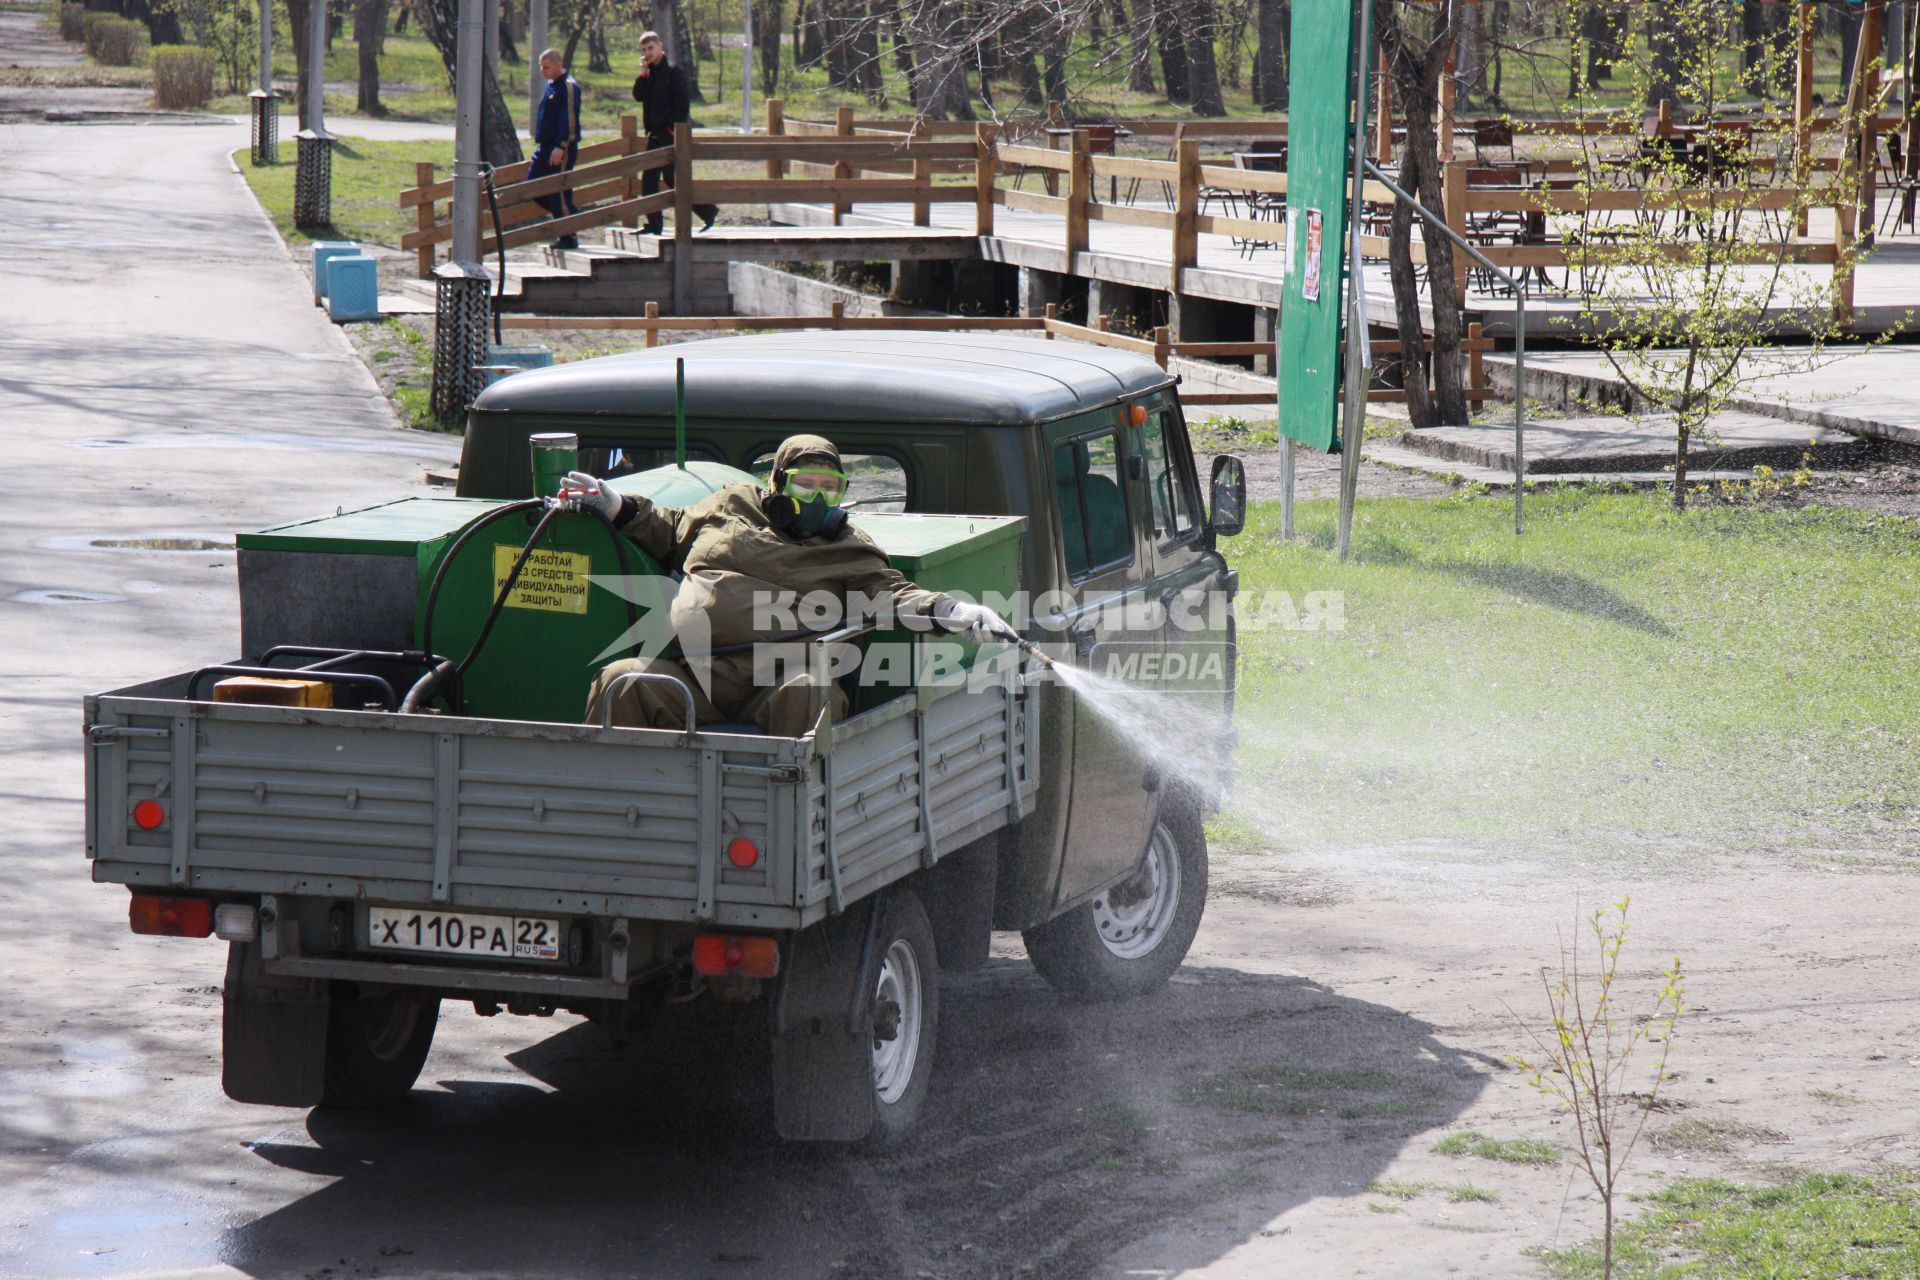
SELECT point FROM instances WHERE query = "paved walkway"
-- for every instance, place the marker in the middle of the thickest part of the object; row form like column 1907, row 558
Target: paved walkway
column 161, row 372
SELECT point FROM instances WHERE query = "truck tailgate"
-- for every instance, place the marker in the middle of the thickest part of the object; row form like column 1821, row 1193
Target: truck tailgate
column 520, row 815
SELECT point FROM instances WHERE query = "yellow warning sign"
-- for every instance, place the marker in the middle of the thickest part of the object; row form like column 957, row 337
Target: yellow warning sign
column 552, row 580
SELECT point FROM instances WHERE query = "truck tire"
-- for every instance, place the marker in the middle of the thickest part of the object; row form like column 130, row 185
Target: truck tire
column 1130, row 939
column 903, row 1017
column 376, row 1045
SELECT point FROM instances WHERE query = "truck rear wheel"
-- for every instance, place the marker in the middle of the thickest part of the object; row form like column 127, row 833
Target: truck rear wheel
column 1130, row 939
column 376, row 1045
column 905, row 1014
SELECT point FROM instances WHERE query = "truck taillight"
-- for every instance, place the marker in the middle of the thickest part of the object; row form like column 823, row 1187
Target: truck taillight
column 735, row 955
column 743, row 853
column 170, row 917
column 149, row 814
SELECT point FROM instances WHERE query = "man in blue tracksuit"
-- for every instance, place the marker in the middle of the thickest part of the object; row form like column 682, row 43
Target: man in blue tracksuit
column 556, row 138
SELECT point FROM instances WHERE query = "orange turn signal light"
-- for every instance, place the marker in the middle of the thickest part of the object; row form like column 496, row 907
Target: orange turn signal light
column 149, row 814
column 743, row 853
column 1137, row 414
column 171, row 917
column 735, row 955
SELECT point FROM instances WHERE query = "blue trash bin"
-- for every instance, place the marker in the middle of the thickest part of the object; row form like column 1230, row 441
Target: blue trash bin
column 518, row 356
column 353, row 289
column 322, row 251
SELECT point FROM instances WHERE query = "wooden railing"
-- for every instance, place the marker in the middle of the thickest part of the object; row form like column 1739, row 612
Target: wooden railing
column 1158, row 344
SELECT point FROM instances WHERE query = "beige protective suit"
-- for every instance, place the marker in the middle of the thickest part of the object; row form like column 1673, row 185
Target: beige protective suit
column 731, row 556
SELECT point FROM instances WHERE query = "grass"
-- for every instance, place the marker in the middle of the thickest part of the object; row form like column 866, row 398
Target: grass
column 367, row 180
column 1506, row 1150
column 1467, row 1193
column 1621, row 673
column 1822, row 1227
column 1397, row 1190
column 1711, row 1133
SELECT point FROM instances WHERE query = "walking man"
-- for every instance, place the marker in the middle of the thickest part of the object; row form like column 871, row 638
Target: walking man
column 665, row 100
column 556, row 138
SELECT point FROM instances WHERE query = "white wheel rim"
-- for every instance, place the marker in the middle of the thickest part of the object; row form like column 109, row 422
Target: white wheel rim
column 1133, row 918
column 897, row 1001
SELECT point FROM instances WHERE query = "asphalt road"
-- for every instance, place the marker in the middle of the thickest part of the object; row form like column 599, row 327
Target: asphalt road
column 161, row 376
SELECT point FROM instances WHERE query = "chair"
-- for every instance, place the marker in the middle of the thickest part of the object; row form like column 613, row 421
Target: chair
column 1490, row 134
column 1903, row 179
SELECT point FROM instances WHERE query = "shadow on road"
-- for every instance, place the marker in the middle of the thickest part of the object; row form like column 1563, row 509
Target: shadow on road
column 1057, row 1136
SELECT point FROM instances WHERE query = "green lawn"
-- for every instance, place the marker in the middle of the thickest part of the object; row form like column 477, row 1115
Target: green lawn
column 1824, row 1227
column 367, row 180
column 1620, row 673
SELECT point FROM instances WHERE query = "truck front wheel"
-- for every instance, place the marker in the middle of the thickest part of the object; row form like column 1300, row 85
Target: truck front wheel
column 376, row 1045
column 1130, row 939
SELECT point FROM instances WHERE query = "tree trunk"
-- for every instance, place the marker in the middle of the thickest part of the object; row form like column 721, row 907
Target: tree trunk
column 1274, row 18
column 807, row 50
column 866, row 51
column 599, row 60
column 767, row 22
column 1203, row 72
column 1662, row 42
column 1416, row 64
column 1682, row 439
column 509, row 51
column 1169, row 33
column 1140, row 39
column 938, row 31
column 572, row 46
column 369, row 25
column 298, row 22
column 1603, row 49
column 670, row 20
column 499, row 133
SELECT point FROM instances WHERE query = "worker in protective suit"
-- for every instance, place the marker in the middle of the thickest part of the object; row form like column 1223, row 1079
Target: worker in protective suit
column 746, row 545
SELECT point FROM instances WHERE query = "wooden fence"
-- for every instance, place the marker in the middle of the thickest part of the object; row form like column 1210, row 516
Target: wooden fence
column 923, row 165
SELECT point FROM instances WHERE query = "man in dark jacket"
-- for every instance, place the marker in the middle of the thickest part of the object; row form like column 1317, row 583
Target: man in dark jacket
column 665, row 100
column 556, row 138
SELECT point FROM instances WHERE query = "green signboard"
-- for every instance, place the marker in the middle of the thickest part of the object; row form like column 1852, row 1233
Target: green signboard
column 1319, row 128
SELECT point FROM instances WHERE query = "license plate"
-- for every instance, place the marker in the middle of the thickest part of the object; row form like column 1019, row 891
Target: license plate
column 495, row 937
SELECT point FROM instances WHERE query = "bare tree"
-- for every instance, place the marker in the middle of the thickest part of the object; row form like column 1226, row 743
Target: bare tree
column 1203, row 71
column 1273, row 18
column 1416, row 39
column 369, row 31
column 499, row 136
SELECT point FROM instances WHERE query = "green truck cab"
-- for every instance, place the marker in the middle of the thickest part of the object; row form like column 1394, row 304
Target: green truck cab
column 1054, row 481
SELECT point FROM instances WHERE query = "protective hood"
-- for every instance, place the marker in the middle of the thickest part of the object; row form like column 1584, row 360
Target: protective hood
column 795, row 449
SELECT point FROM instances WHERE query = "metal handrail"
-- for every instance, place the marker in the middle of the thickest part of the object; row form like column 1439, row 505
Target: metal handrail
column 622, row 683
column 1519, row 336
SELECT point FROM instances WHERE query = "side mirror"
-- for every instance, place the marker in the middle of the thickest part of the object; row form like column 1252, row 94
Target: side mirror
column 1228, row 496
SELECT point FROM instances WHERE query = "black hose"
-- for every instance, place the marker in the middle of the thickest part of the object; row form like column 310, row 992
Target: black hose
column 426, row 685
column 500, row 247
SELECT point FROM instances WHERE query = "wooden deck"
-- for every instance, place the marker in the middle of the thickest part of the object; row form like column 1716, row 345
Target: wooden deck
column 1886, row 288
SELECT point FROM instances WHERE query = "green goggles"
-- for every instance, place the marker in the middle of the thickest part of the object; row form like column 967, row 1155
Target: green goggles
column 804, row 484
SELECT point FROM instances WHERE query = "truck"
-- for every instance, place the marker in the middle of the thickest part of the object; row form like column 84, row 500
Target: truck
column 395, row 798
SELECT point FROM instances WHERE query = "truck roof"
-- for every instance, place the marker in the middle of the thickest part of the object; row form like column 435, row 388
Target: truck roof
column 879, row 375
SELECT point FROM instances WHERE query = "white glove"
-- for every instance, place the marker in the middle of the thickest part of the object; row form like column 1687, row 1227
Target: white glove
column 974, row 622
column 591, row 491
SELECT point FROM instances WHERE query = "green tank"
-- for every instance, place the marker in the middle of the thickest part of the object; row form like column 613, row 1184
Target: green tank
column 573, row 607
column 361, row 579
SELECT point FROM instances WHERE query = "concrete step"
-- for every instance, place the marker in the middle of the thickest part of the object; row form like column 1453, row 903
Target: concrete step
column 1578, row 446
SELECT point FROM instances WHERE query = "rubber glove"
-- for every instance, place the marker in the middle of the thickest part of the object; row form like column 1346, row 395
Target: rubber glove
column 974, row 622
column 591, row 491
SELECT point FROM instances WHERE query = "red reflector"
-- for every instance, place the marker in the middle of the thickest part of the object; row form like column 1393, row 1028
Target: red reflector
column 149, row 814
column 743, row 853
column 170, row 917
column 719, row 955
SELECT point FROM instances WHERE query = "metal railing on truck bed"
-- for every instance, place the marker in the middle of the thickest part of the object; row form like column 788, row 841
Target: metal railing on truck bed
column 521, row 815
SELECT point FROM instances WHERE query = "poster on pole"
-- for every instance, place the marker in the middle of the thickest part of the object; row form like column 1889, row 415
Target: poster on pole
column 1320, row 125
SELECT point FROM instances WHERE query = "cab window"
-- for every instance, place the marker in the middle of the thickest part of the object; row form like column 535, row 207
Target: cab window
column 609, row 459
column 875, row 481
column 1093, row 504
column 1173, row 504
